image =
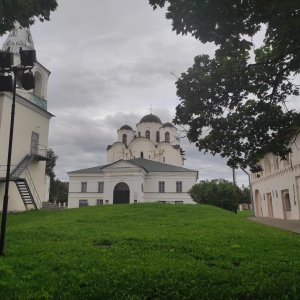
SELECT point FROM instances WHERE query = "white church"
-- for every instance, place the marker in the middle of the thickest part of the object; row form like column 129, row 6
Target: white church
column 143, row 165
column 29, row 184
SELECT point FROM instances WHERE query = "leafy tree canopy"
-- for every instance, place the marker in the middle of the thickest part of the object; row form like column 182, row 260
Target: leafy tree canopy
column 217, row 192
column 50, row 164
column 235, row 102
column 25, row 12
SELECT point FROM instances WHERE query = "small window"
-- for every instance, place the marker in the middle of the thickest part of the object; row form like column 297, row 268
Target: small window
column 142, row 154
column 100, row 187
column 178, row 186
column 106, row 201
column 178, row 202
column 157, row 137
column 164, row 159
column 99, row 201
column 139, row 134
column 142, row 187
column 124, row 139
column 147, row 135
column 161, row 186
column 135, row 201
column 83, row 202
column 83, row 187
column 167, row 137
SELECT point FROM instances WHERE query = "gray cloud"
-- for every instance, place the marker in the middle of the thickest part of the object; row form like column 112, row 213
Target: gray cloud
column 110, row 60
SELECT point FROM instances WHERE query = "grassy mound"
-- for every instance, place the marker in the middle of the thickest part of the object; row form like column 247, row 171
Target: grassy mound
column 147, row 251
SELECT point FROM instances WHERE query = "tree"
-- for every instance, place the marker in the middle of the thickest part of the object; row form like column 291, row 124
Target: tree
column 58, row 189
column 245, row 196
column 235, row 102
column 25, row 12
column 217, row 192
column 58, row 192
column 50, row 164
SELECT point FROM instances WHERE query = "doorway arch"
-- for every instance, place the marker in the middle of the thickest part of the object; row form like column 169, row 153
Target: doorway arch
column 121, row 193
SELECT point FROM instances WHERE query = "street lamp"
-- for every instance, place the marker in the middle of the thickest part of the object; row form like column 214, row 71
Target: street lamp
column 28, row 58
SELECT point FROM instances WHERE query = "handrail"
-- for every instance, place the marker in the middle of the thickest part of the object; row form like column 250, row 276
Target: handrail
column 32, row 188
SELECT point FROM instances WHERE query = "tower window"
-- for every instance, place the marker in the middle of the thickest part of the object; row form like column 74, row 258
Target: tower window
column 157, row 137
column 142, row 154
column 124, row 139
column 167, row 137
column 147, row 134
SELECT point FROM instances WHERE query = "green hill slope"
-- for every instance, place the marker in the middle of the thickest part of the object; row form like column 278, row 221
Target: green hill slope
column 147, row 251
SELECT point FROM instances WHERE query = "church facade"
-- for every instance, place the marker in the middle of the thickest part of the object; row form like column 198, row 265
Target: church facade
column 276, row 190
column 29, row 184
column 145, row 165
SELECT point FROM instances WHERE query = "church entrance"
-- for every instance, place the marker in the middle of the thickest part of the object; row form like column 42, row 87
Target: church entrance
column 121, row 193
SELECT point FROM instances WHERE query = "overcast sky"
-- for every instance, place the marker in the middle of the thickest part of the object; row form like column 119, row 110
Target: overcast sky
column 110, row 61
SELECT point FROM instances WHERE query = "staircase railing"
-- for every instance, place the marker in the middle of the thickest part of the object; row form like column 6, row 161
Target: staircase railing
column 32, row 188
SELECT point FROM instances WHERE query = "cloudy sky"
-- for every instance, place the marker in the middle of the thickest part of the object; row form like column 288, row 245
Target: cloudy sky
column 110, row 61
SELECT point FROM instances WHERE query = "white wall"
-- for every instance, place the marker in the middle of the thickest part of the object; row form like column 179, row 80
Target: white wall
column 278, row 178
column 28, row 118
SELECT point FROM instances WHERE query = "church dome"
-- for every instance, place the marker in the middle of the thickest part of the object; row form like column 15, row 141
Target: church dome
column 150, row 119
column 168, row 124
column 127, row 127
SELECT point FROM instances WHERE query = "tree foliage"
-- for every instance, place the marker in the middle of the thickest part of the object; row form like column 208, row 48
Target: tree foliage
column 50, row 164
column 25, row 12
column 217, row 192
column 58, row 189
column 235, row 102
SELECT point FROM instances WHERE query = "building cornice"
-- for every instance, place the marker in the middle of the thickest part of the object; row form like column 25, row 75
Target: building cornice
column 21, row 100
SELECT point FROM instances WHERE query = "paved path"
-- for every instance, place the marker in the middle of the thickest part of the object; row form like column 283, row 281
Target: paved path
column 289, row 225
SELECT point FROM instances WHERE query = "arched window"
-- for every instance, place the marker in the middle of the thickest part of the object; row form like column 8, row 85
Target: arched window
column 167, row 137
column 147, row 134
column 38, row 80
column 142, row 154
column 124, row 139
column 157, row 137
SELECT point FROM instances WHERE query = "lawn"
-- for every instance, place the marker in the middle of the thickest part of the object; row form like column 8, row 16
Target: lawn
column 147, row 251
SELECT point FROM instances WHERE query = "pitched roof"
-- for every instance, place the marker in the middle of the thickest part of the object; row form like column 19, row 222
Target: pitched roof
column 146, row 164
column 154, row 166
column 92, row 170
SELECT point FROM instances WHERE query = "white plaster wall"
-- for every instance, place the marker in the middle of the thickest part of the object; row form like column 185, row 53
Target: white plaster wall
column 274, row 181
column 27, row 119
column 129, row 133
column 173, row 135
column 132, row 176
column 152, row 127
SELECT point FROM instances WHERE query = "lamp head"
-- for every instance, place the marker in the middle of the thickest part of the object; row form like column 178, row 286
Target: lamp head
column 28, row 58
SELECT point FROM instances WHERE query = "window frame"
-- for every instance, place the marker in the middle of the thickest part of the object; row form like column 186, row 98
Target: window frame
column 100, row 186
column 178, row 186
column 83, row 186
column 161, row 187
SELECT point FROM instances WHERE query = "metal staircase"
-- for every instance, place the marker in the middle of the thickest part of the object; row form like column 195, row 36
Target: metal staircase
column 21, row 167
column 25, row 193
column 25, row 185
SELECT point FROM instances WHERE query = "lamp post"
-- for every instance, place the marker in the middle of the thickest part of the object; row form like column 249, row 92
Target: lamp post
column 28, row 57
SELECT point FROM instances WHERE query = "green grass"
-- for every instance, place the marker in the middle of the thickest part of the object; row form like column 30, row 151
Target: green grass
column 147, row 251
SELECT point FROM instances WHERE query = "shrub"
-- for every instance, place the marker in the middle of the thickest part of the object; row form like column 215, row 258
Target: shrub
column 217, row 192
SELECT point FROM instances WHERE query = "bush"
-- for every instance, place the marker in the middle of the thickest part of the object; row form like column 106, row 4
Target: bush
column 217, row 192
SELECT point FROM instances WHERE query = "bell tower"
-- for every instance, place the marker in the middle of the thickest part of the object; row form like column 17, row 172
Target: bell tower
column 20, row 38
